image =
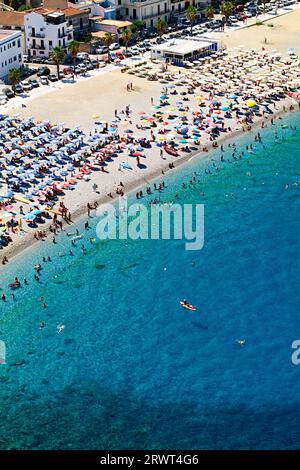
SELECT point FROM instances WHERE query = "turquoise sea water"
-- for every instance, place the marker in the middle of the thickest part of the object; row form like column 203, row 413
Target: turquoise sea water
column 131, row 369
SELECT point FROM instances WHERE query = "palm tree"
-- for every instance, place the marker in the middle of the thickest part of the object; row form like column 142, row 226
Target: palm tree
column 126, row 36
column 191, row 14
column 227, row 8
column 108, row 40
column 161, row 27
column 73, row 48
column 14, row 76
column 209, row 12
column 57, row 55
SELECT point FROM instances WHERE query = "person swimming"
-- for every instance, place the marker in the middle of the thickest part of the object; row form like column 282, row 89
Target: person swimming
column 241, row 342
column 60, row 328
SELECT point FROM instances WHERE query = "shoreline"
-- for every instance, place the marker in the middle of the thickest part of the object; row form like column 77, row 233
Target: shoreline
column 19, row 247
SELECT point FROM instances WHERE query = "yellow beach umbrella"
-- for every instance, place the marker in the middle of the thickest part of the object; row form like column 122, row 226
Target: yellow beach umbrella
column 199, row 97
column 251, row 103
column 95, row 116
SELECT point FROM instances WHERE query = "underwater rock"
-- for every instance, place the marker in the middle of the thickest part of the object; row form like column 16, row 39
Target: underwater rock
column 16, row 361
column 99, row 266
column 4, row 379
column 68, row 340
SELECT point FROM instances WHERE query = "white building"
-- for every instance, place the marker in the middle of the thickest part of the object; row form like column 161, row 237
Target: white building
column 180, row 50
column 151, row 11
column 10, row 51
column 45, row 29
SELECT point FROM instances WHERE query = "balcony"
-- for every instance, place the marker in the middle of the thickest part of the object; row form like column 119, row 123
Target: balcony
column 36, row 46
column 161, row 14
column 36, row 35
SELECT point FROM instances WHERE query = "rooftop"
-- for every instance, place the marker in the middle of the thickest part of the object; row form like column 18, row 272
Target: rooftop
column 5, row 34
column 47, row 11
column 117, row 23
column 12, row 18
column 182, row 46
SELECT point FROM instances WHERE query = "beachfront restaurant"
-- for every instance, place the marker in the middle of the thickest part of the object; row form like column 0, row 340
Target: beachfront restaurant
column 179, row 51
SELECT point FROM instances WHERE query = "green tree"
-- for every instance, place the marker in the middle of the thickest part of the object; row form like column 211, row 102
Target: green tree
column 139, row 24
column 14, row 76
column 161, row 27
column 23, row 8
column 209, row 12
column 57, row 55
column 73, row 48
column 227, row 8
column 191, row 15
column 126, row 36
column 108, row 40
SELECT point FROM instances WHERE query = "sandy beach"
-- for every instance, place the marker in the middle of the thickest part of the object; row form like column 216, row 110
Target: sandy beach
column 281, row 33
column 99, row 97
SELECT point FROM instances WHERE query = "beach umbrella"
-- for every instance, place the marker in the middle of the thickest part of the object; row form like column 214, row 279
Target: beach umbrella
column 29, row 216
column 183, row 141
column 251, row 103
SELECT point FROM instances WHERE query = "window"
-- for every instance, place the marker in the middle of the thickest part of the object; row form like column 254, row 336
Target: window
column 166, row 8
column 126, row 12
column 158, row 9
column 50, row 43
column 14, row 43
column 15, row 58
column 19, row 43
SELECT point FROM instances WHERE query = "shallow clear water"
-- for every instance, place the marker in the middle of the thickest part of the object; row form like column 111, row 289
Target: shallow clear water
column 132, row 369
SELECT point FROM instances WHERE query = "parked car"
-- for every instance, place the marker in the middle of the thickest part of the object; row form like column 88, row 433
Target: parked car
column 89, row 65
column 82, row 55
column 26, row 85
column 128, row 53
column 9, row 93
column 68, row 71
column 44, row 81
column 18, row 89
column 52, row 77
column 95, row 63
column 120, row 56
column 102, row 50
column 34, row 83
column 43, row 71
column 114, row 46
